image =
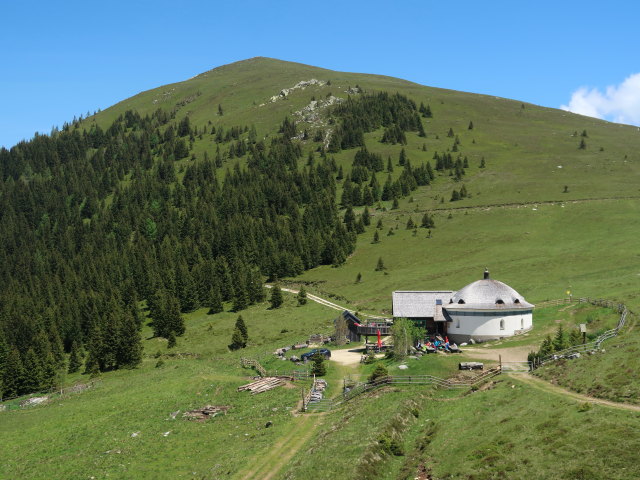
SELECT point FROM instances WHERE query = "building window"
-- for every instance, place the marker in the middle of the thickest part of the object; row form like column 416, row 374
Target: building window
column 499, row 302
column 502, row 324
column 457, row 323
column 461, row 301
column 522, row 324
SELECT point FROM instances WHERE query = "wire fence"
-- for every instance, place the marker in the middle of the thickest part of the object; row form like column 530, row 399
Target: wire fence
column 595, row 345
column 45, row 396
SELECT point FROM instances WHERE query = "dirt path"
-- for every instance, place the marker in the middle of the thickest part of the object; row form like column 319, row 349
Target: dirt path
column 349, row 357
column 514, row 354
column 327, row 303
column 278, row 456
column 549, row 387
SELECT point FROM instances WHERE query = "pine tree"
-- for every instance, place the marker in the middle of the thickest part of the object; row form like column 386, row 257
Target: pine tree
column 376, row 237
column 583, row 144
column 75, row 358
column 379, row 372
column 129, row 349
column 215, row 300
column 171, row 340
column 319, row 369
column 14, row 375
column 33, row 372
column 379, row 225
column 560, row 339
column 220, row 111
column 256, row 290
column 359, row 277
column 482, row 163
column 237, row 340
column 410, row 224
column 276, row 299
column 470, row 125
column 240, row 301
column 366, row 217
column 302, row 296
column 175, row 321
column 380, row 265
column 240, row 325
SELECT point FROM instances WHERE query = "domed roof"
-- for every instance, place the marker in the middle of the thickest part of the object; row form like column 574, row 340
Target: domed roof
column 488, row 293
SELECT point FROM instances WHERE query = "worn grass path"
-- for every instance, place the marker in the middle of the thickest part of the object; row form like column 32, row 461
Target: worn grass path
column 269, row 464
column 549, row 387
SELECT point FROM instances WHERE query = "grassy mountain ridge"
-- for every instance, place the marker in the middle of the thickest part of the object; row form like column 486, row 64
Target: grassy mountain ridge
column 148, row 216
column 525, row 145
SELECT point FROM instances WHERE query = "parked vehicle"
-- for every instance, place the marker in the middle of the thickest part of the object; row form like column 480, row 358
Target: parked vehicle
column 305, row 357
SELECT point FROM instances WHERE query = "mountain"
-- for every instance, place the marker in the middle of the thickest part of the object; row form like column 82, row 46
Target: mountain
column 131, row 240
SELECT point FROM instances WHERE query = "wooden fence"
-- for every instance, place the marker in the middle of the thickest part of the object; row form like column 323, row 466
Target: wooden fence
column 52, row 393
column 360, row 388
column 595, row 345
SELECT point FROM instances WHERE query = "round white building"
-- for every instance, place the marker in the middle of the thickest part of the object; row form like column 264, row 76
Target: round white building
column 487, row 309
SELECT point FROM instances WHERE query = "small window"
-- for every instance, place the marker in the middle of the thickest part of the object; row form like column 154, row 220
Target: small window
column 499, row 302
column 457, row 323
column 461, row 301
column 522, row 324
column 502, row 324
column 517, row 300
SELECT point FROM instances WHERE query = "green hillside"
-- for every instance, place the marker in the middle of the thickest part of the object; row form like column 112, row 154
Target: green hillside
column 157, row 220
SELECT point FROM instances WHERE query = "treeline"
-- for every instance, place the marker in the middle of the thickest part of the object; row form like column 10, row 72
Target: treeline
column 368, row 112
column 362, row 187
column 92, row 222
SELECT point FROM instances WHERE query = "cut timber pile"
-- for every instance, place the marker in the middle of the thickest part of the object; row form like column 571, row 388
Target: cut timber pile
column 262, row 385
column 206, row 412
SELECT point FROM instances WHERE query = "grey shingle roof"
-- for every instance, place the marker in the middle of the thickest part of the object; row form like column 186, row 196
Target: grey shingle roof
column 419, row 303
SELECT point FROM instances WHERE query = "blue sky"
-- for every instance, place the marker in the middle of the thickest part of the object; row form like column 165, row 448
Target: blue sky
column 63, row 59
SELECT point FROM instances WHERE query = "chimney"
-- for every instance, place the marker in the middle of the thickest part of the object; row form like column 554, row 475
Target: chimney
column 486, row 273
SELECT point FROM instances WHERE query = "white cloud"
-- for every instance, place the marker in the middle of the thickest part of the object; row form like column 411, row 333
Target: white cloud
column 618, row 103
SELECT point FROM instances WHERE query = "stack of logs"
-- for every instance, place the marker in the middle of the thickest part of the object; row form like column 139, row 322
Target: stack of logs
column 262, row 385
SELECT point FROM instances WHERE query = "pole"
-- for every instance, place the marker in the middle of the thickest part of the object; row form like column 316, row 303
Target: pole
column 500, row 360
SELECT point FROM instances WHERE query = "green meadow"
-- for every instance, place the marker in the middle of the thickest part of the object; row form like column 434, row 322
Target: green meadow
column 544, row 217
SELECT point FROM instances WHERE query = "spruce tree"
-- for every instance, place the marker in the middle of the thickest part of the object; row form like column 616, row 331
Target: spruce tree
column 302, row 296
column 240, row 325
column 129, row 349
column 376, row 237
column 175, row 322
column 75, row 358
column 256, row 288
column 276, row 299
column 379, row 372
column 240, row 301
column 13, row 375
column 237, row 340
column 410, row 224
column 215, row 300
column 380, row 265
column 359, row 277
column 171, row 340
column 319, row 369
column 366, row 217
column 33, row 373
